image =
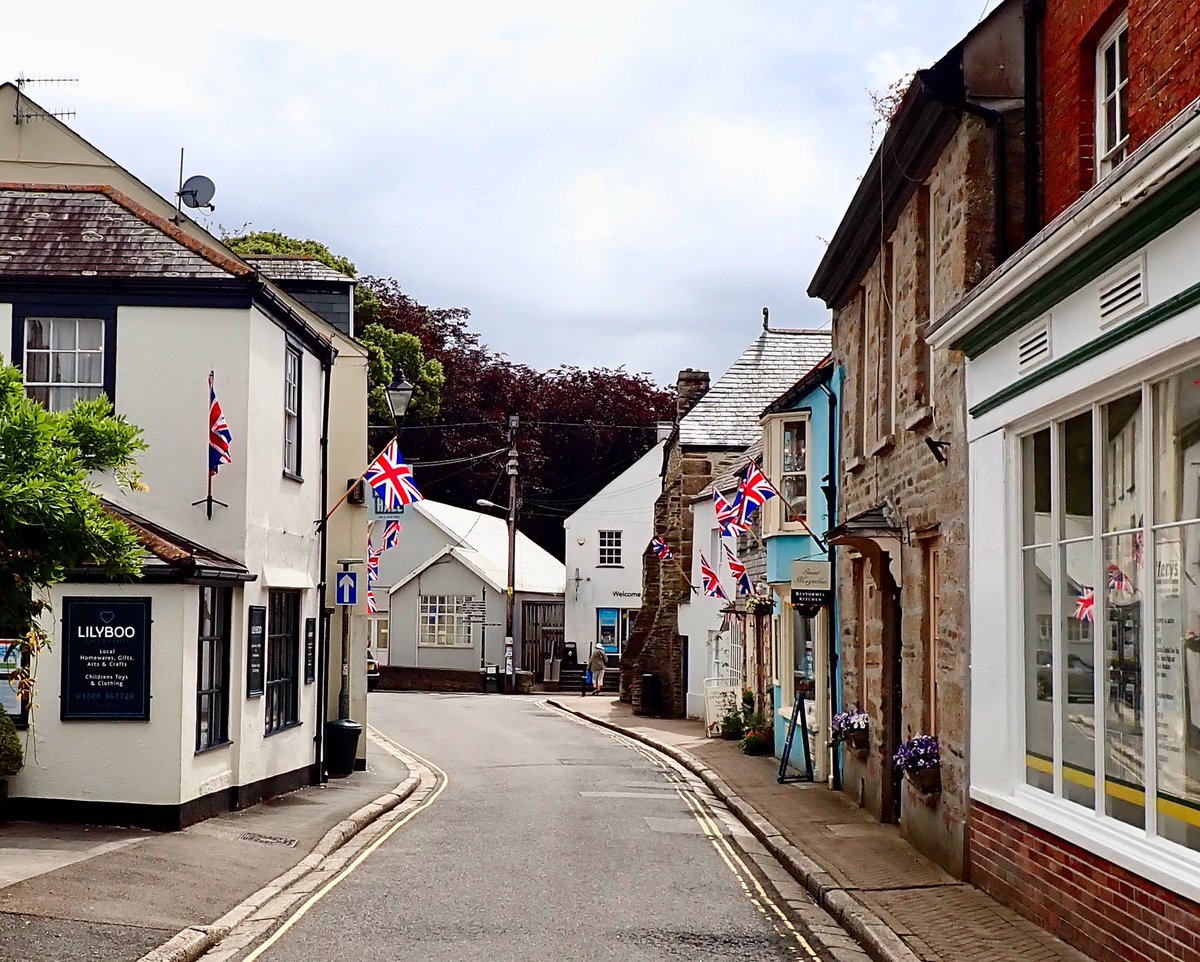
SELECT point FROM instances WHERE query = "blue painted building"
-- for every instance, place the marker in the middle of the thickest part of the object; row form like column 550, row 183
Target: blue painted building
column 800, row 435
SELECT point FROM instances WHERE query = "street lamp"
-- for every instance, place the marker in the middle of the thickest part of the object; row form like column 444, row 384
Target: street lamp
column 399, row 395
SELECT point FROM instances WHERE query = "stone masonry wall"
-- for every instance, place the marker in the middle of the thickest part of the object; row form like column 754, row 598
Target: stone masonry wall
column 929, row 498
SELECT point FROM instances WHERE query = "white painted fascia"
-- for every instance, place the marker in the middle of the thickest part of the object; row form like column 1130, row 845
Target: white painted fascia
column 1114, row 198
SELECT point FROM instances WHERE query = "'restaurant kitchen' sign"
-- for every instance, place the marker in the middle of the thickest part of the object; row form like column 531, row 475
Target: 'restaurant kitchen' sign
column 106, row 658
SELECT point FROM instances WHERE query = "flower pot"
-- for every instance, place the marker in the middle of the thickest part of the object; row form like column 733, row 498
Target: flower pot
column 927, row 781
column 732, row 736
column 859, row 740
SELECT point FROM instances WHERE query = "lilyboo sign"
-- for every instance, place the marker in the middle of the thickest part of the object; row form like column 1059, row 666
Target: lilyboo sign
column 106, row 659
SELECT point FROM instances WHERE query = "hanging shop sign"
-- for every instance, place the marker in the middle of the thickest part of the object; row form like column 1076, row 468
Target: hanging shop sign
column 812, row 583
column 376, row 511
column 106, row 659
column 256, row 650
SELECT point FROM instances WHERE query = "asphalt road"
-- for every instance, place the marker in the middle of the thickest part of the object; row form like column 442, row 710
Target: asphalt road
column 552, row 840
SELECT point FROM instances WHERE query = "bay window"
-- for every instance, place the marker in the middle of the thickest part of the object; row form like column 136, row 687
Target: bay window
column 1110, row 563
column 786, row 462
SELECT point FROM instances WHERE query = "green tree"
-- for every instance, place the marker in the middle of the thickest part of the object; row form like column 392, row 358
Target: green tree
column 51, row 517
column 390, row 350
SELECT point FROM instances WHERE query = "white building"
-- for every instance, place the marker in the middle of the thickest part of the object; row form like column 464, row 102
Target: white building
column 1083, row 396
column 606, row 546
column 446, row 559
column 216, row 700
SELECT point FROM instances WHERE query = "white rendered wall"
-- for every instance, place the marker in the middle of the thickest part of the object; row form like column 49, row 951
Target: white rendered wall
column 699, row 615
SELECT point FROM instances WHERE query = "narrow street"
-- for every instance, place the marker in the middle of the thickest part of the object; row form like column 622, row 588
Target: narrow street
column 552, row 840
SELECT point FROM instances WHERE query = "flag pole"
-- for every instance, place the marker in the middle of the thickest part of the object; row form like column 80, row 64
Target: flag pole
column 790, row 510
column 351, row 487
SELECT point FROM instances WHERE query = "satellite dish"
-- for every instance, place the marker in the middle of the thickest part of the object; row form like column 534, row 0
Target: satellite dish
column 197, row 191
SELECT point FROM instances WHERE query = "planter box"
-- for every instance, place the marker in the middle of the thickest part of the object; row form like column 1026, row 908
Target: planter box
column 859, row 741
column 927, row 781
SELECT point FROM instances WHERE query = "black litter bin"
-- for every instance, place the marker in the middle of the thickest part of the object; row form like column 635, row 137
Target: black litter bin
column 651, row 695
column 341, row 746
column 570, row 655
column 491, row 679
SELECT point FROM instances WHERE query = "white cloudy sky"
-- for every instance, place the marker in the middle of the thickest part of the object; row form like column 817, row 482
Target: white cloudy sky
column 606, row 183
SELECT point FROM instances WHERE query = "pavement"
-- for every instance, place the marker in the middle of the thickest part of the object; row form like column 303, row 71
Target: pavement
column 72, row 893
column 896, row 900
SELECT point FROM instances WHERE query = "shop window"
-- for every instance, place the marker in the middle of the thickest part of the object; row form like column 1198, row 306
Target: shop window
column 1111, row 594
column 1112, row 97
column 610, row 549
column 63, row 360
column 443, row 621
column 793, row 475
column 212, row 682
column 291, row 411
column 11, row 661
column 283, row 660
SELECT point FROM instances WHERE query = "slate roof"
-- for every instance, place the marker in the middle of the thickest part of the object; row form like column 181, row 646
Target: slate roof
column 96, row 231
column 728, row 415
column 823, row 371
column 296, row 267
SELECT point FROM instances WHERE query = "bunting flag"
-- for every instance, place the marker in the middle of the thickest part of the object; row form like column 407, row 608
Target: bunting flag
column 372, row 608
column 219, row 436
column 712, row 584
column 739, row 572
column 1085, row 605
column 391, row 535
column 1139, row 551
column 728, row 516
column 661, row 549
column 753, row 493
column 372, row 565
column 392, row 479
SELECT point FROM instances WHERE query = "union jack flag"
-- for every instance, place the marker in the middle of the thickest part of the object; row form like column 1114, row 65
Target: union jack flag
column 712, row 584
column 1085, row 605
column 739, row 572
column 661, row 549
column 728, row 516
column 1139, row 551
column 372, row 607
column 392, row 479
column 372, row 565
column 391, row 535
column 219, row 437
column 1118, row 580
column 753, row 493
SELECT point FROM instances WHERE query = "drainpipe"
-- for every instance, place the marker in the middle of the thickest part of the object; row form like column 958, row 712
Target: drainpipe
column 830, row 491
column 322, row 613
column 1033, row 66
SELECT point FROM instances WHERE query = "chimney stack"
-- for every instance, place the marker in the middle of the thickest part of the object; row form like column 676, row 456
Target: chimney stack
column 690, row 387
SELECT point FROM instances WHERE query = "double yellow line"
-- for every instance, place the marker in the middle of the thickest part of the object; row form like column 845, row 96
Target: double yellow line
column 444, row 781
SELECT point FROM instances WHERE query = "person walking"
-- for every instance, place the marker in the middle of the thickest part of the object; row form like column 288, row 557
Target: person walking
column 596, row 665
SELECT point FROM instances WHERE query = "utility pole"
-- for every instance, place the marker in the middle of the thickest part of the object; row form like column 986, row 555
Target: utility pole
column 509, row 644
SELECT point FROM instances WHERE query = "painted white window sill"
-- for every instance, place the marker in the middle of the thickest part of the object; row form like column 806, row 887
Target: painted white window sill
column 425, row 644
column 1165, row 863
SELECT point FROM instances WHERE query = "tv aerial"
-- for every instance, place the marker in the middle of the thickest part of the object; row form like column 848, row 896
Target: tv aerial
column 196, row 192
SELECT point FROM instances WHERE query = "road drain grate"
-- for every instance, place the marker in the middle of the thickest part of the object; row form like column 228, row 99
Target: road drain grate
column 267, row 839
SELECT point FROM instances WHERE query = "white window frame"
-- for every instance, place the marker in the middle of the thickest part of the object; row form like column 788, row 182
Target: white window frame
column 293, row 363
column 1108, row 156
column 79, row 389
column 773, row 431
column 609, row 549
column 1139, row 849
column 449, row 627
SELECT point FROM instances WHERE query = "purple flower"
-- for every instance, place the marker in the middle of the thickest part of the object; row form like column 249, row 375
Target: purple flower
column 843, row 723
column 918, row 754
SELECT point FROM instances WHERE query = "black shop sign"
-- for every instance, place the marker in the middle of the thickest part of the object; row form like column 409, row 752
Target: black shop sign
column 106, row 659
column 256, row 651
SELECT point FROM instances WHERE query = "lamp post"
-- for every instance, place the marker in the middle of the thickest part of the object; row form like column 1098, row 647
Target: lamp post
column 399, row 395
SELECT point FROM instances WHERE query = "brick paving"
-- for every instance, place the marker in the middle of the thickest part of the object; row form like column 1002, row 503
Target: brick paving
column 939, row 918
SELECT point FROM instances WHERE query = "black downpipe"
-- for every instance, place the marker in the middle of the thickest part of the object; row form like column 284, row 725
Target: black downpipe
column 322, row 587
column 831, row 491
column 1000, row 183
column 1033, row 69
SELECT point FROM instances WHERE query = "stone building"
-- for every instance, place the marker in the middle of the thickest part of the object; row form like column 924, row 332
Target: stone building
column 713, row 429
column 941, row 203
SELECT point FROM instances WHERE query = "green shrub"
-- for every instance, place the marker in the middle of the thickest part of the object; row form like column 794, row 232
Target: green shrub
column 11, row 757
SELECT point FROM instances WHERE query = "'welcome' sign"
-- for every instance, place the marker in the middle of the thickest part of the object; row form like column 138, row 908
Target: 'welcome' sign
column 106, row 659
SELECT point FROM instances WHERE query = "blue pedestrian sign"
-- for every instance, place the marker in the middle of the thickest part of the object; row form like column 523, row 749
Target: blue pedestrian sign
column 347, row 588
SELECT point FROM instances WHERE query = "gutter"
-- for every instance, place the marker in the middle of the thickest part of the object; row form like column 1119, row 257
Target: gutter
column 831, row 491
column 1034, row 10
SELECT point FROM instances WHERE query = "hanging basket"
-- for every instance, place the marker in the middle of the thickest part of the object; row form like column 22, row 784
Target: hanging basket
column 859, row 739
column 927, row 781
